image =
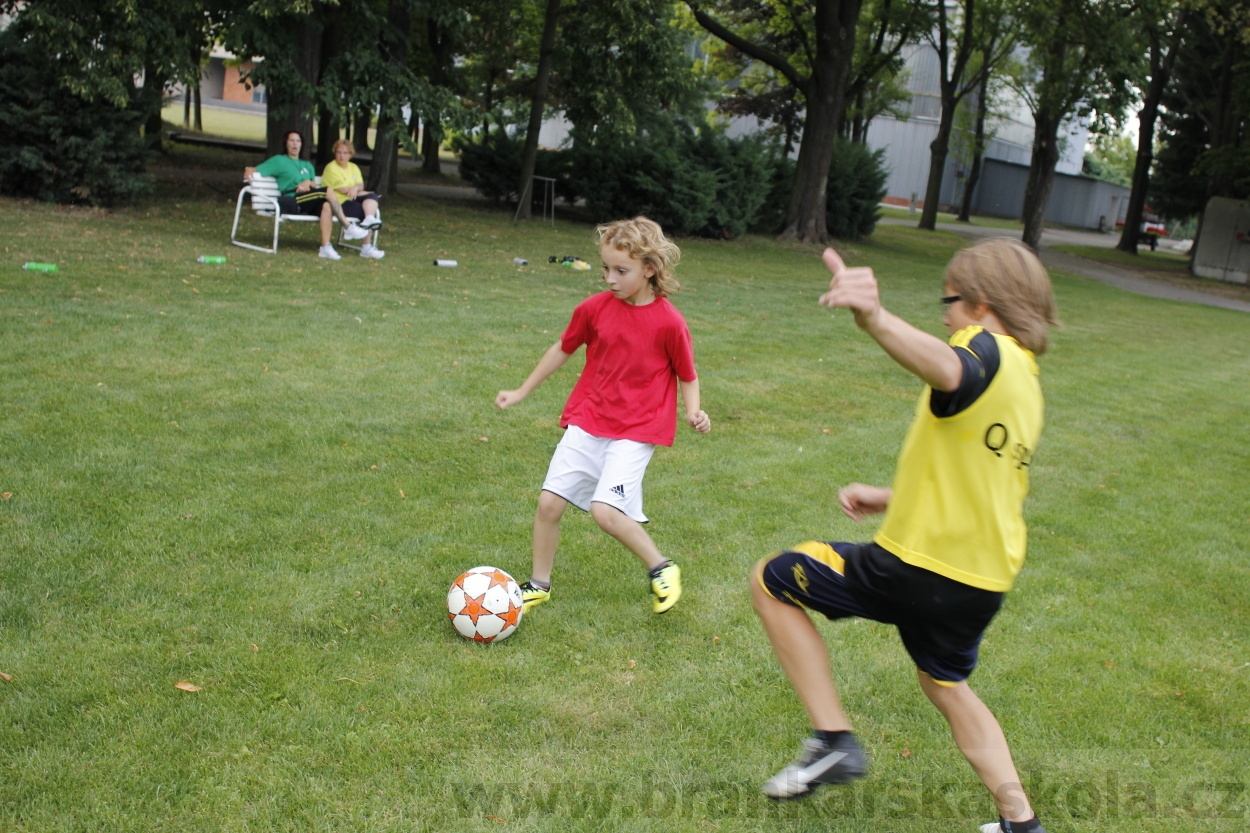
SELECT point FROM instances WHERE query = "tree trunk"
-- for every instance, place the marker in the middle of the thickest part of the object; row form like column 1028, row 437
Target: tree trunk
column 153, row 97
column 859, row 126
column 939, row 149
column 1041, row 175
column 186, row 107
column 199, row 107
column 293, row 111
column 978, row 150
column 835, row 43
column 431, row 142
column 529, row 154
column 382, row 173
column 385, row 149
column 1160, row 74
column 360, row 132
column 328, row 117
column 951, row 79
column 806, row 213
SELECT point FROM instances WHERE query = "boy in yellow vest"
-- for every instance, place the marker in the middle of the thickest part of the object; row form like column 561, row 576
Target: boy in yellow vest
column 953, row 538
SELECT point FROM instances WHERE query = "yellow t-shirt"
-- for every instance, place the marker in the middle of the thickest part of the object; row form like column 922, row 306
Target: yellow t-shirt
column 961, row 480
column 336, row 176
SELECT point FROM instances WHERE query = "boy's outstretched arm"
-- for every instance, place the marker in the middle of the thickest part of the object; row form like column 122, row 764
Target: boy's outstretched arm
column 925, row 355
column 697, row 419
column 551, row 361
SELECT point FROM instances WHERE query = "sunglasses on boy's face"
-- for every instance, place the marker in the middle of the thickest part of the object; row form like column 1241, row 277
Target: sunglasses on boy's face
column 947, row 300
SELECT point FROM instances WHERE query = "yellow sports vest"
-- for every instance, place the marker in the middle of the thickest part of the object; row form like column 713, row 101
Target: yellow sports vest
column 959, row 489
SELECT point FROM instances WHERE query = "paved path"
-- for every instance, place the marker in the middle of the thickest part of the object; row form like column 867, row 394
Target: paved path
column 1102, row 272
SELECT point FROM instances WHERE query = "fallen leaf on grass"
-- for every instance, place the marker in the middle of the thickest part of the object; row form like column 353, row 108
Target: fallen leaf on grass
column 255, row 648
column 6, row 495
column 183, row 685
column 906, row 753
column 484, row 439
column 5, row 677
column 402, row 493
column 496, row 819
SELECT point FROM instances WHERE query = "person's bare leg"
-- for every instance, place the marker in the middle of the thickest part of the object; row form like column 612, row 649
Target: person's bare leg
column 629, row 532
column 371, row 210
column 326, row 223
column 547, row 533
column 982, row 742
column 337, row 208
column 803, row 656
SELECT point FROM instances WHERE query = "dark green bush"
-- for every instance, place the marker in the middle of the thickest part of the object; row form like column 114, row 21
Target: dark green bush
column 59, row 147
column 690, row 182
column 857, row 179
column 492, row 164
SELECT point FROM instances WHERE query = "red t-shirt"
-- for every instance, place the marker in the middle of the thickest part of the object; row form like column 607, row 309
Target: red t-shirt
column 634, row 357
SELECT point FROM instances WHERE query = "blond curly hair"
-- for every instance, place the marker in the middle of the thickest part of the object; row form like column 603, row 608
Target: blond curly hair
column 644, row 239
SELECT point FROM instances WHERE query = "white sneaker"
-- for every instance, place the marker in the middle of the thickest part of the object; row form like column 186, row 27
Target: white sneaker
column 996, row 827
column 370, row 250
column 355, row 231
column 329, row 254
column 371, row 222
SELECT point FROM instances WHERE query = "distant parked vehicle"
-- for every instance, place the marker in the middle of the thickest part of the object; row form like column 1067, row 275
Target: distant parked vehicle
column 1150, row 230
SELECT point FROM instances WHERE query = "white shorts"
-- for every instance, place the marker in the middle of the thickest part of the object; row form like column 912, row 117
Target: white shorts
column 586, row 469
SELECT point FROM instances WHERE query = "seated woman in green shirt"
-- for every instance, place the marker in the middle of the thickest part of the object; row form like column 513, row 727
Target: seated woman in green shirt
column 297, row 182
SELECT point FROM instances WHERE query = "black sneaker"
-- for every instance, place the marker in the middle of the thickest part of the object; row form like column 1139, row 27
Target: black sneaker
column 1004, row 826
column 819, row 763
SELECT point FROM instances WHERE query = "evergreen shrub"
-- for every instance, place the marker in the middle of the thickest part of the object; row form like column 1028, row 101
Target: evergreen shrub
column 855, row 187
column 492, row 164
column 691, row 182
column 59, row 147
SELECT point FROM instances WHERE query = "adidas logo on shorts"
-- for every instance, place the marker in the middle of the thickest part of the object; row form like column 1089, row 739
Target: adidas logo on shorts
column 619, row 491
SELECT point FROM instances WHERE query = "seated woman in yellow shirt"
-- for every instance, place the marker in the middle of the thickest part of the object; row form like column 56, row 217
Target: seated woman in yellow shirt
column 343, row 179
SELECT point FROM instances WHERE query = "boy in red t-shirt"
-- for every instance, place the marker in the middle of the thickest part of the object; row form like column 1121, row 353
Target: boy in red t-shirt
column 638, row 353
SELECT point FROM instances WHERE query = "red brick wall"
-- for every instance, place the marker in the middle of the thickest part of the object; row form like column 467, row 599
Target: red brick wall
column 233, row 89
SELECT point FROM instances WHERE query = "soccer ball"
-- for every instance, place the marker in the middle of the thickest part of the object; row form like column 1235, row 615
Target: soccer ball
column 484, row 604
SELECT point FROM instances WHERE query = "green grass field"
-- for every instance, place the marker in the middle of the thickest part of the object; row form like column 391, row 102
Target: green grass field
column 261, row 477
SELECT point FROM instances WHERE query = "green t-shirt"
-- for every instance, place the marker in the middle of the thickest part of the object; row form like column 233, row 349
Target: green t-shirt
column 289, row 172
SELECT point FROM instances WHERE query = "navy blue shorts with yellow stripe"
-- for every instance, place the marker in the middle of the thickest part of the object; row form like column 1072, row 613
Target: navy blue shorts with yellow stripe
column 812, row 576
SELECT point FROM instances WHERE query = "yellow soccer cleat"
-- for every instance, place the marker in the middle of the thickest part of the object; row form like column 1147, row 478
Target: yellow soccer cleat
column 532, row 594
column 666, row 587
